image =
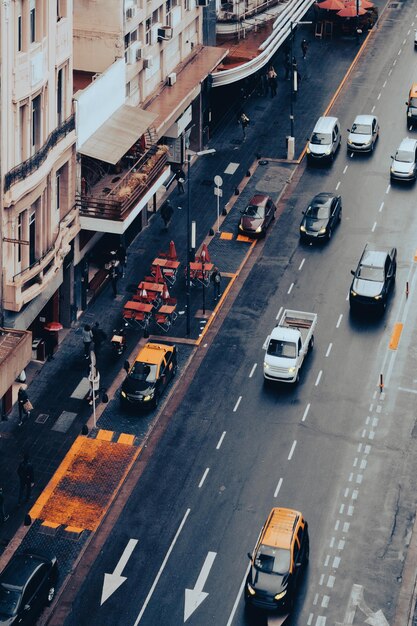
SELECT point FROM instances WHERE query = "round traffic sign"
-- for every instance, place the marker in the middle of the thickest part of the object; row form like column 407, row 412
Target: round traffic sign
column 218, row 181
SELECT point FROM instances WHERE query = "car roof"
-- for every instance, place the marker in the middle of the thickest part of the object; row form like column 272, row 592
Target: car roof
column 153, row 353
column 20, row 568
column 279, row 527
column 325, row 124
column 408, row 144
column 323, row 195
column 364, row 119
column 374, row 258
column 259, row 199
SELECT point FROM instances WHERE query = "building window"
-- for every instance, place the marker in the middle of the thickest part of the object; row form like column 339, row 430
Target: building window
column 148, row 25
column 32, row 21
column 61, row 189
column 19, row 26
column 59, row 97
column 32, row 238
column 19, row 236
column 61, row 9
column 23, row 129
column 58, row 190
column 36, row 124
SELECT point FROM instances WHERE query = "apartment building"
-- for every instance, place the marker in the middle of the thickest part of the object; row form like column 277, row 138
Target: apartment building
column 38, row 215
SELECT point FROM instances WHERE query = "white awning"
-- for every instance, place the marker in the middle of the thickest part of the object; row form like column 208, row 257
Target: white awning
column 114, row 138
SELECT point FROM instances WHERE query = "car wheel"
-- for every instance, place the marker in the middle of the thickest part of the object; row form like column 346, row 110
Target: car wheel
column 311, row 343
column 50, row 595
column 297, row 378
column 307, row 552
column 155, row 401
column 340, row 215
column 175, row 370
column 329, row 234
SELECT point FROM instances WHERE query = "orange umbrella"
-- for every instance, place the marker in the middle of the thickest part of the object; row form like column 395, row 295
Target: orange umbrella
column 53, row 326
column 351, row 11
column 158, row 275
column 172, row 254
column 363, row 4
column 331, row 5
column 205, row 254
column 165, row 293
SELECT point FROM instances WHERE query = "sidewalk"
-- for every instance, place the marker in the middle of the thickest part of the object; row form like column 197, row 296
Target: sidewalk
column 58, row 388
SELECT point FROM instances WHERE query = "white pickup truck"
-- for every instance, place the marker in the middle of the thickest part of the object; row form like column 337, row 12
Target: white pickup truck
column 288, row 344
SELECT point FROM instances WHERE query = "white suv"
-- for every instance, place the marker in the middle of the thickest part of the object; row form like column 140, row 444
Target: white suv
column 404, row 163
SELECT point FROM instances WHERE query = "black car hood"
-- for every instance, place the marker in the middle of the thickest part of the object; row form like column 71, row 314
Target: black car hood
column 137, row 387
column 269, row 583
column 367, row 288
column 314, row 225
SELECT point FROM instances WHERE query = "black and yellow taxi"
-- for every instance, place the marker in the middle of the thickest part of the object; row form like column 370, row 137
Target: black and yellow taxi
column 281, row 552
column 146, row 380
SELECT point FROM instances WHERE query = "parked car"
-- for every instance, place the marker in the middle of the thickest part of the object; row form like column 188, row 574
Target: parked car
column 152, row 370
column 404, row 163
column 321, row 216
column 27, row 585
column 363, row 134
column 257, row 216
column 280, row 554
column 374, row 278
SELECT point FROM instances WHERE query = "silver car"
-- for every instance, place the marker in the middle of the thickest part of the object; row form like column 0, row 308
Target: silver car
column 404, row 163
column 363, row 134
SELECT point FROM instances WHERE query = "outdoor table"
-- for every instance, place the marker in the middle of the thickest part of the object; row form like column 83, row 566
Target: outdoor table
column 196, row 272
column 158, row 287
column 142, row 307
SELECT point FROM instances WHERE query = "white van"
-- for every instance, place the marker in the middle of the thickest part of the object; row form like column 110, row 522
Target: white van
column 325, row 139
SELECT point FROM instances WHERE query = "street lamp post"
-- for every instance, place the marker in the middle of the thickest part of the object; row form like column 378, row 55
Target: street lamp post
column 190, row 153
column 293, row 88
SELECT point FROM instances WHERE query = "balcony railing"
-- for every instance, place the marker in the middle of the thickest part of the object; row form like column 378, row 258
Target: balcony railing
column 115, row 203
column 23, row 170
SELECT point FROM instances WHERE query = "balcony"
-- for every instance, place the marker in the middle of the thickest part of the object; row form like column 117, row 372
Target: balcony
column 29, row 283
column 15, row 354
column 112, row 202
column 21, row 171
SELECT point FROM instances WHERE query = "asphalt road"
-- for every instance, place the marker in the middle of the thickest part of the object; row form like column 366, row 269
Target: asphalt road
column 335, row 447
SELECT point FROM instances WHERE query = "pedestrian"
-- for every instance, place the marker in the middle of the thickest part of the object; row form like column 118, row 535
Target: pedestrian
column 87, row 339
column 3, row 516
column 114, row 277
column 122, row 258
column 98, row 337
column 216, row 279
column 26, row 478
column 24, row 405
column 304, row 47
column 166, row 213
column 244, row 121
column 287, row 65
column 180, row 178
column 50, row 343
column 272, row 81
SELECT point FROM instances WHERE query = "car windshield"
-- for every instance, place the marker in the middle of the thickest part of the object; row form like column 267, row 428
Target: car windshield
column 321, row 139
column 319, row 210
column 413, row 103
column 272, row 560
column 368, row 272
column 9, row 600
column 254, row 211
column 284, row 349
column 404, row 156
column 361, row 129
column 143, row 371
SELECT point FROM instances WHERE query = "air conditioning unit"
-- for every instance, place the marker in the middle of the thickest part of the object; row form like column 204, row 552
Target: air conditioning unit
column 130, row 12
column 154, row 33
column 171, row 79
column 202, row 3
column 132, row 53
column 164, row 33
column 147, row 62
column 139, row 53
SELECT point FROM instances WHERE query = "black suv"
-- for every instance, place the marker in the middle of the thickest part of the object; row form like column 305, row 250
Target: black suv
column 27, row 585
column 321, row 216
column 374, row 278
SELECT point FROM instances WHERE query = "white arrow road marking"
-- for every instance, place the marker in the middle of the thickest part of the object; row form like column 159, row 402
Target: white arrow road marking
column 113, row 581
column 356, row 601
column 194, row 597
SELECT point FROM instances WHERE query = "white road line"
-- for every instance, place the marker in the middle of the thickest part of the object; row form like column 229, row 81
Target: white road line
column 409, row 31
column 294, row 443
column 329, row 349
column 305, row 412
column 381, row 207
column 339, row 320
column 301, row 264
column 378, row 96
column 404, row 42
column 276, row 492
column 387, row 189
column 345, row 169
column 394, row 62
column 406, row 389
column 265, row 344
column 373, row 227
column 338, row 185
column 385, row 84
column 238, row 597
column 373, row 109
column 352, row 155
column 279, row 313
column 221, row 440
column 231, row 168
column 399, row 52
column 290, row 289
column 318, row 378
column 390, row 72
column 253, row 370
column 237, row 404
column 161, row 569
column 203, row 477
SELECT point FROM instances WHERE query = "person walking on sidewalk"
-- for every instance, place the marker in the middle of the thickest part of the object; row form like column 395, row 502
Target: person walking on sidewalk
column 272, row 80
column 180, row 178
column 122, row 258
column 304, row 47
column 87, row 339
column 3, row 516
column 26, row 478
column 24, row 405
column 114, row 277
column 216, row 279
column 98, row 337
column 166, row 213
column 244, row 122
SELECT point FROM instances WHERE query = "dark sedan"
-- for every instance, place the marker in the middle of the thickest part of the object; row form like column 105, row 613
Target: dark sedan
column 321, row 216
column 27, row 585
column 374, row 278
column 257, row 216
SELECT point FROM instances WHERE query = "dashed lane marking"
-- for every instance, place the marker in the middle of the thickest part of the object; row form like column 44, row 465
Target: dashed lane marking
column 231, row 168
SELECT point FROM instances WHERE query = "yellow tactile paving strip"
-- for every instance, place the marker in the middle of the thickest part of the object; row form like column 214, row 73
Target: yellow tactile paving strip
column 225, row 235
column 81, row 490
